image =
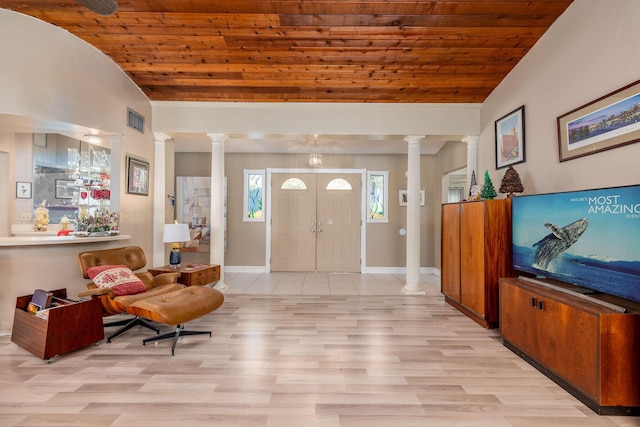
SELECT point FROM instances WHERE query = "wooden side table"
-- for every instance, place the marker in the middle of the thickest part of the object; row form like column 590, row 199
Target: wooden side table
column 201, row 275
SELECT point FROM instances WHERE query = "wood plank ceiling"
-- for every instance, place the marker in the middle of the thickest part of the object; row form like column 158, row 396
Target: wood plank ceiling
column 310, row 50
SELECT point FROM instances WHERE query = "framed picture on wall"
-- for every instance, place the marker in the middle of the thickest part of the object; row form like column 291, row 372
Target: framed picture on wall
column 23, row 190
column 608, row 122
column 510, row 138
column 403, row 197
column 137, row 176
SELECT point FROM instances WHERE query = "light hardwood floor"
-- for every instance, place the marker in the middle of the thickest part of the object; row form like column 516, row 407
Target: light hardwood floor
column 297, row 350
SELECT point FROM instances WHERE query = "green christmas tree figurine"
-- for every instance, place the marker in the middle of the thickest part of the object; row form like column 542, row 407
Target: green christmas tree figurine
column 488, row 191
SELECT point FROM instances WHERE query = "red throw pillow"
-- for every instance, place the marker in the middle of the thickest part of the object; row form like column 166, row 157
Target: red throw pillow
column 119, row 278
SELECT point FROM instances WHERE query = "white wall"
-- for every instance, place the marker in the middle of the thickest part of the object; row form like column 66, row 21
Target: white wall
column 51, row 81
column 4, row 192
column 322, row 118
column 48, row 73
column 590, row 51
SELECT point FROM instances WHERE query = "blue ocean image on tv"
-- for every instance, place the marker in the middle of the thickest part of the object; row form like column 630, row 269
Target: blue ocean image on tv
column 589, row 238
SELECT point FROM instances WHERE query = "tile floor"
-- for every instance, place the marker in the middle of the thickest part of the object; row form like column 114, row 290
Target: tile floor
column 324, row 284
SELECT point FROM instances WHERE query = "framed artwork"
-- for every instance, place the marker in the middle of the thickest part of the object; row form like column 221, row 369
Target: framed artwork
column 608, row 122
column 403, row 197
column 23, row 190
column 510, row 139
column 63, row 189
column 193, row 207
column 137, row 176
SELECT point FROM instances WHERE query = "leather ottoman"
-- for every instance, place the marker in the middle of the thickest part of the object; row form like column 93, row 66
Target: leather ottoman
column 177, row 308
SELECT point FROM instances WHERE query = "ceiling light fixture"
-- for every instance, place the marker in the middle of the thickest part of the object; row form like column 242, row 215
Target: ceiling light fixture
column 315, row 159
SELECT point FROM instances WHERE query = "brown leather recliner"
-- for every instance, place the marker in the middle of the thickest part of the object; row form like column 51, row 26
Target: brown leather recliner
column 134, row 258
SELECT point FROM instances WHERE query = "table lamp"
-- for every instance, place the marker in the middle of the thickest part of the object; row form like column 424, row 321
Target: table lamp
column 175, row 234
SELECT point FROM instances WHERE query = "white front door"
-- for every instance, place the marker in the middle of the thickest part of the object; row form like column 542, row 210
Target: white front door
column 315, row 222
column 293, row 217
column 338, row 220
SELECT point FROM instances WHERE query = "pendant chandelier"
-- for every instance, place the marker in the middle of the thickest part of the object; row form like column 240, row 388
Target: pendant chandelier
column 315, row 159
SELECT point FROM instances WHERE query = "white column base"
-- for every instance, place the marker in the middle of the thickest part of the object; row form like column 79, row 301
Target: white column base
column 412, row 290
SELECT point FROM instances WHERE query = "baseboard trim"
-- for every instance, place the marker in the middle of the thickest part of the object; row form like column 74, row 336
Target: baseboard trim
column 245, row 269
column 368, row 270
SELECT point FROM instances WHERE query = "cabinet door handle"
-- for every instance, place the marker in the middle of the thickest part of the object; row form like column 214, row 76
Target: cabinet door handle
column 541, row 305
column 534, row 303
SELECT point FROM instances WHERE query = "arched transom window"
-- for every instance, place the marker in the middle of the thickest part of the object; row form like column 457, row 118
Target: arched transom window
column 293, row 184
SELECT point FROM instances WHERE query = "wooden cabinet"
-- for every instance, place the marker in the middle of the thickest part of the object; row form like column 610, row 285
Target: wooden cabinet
column 589, row 349
column 476, row 252
column 69, row 326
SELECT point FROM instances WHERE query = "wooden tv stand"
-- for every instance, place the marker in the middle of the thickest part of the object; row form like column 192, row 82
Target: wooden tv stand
column 70, row 326
column 587, row 346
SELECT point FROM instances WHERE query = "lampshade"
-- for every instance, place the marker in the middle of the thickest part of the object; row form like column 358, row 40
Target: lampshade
column 176, row 233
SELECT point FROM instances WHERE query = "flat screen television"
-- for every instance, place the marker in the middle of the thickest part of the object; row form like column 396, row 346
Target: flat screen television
column 588, row 238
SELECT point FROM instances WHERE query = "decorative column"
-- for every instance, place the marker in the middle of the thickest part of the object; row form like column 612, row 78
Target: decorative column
column 412, row 283
column 217, row 204
column 472, row 159
column 159, row 198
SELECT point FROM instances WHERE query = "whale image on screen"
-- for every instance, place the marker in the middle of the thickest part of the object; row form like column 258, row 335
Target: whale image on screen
column 559, row 240
column 589, row 238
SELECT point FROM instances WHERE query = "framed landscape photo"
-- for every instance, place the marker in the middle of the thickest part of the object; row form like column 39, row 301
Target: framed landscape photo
column 510, row 139
column 608, row 122
column 137, row 176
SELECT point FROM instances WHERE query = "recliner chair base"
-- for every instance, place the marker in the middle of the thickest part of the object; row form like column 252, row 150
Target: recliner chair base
column 128, row 324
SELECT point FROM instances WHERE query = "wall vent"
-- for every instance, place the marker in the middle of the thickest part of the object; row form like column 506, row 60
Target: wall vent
column 135, row 120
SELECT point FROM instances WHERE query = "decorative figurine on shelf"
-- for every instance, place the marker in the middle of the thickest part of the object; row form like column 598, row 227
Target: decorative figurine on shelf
column 114, row 224
column 511, row 182
column 42, row 217
column 474, row 192
column 64, row 226
column 81, row 222
column 83, row 212
column 472, row 184
column 488, row 190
